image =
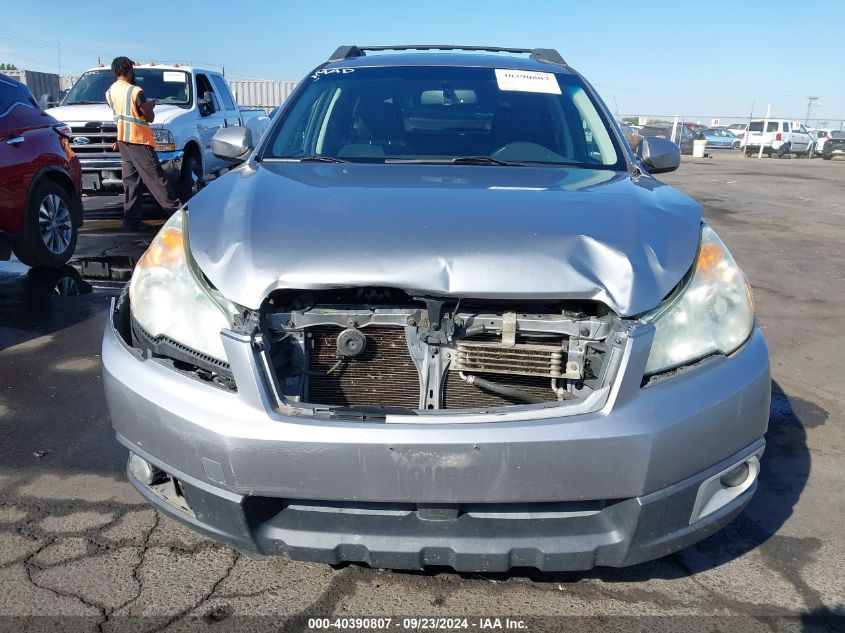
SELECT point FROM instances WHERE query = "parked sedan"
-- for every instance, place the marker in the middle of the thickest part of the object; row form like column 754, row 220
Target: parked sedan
column 40, row 181
column 721, row 138
column 738, row 129
column 684, row 135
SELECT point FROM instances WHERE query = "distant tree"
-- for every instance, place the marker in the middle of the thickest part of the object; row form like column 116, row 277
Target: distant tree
column 8, row 67
column 630, row 120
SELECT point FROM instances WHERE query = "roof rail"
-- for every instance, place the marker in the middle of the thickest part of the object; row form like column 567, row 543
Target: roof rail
column 548, row 55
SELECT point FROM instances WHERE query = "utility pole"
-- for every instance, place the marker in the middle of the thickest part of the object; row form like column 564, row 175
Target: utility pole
column 811, row 102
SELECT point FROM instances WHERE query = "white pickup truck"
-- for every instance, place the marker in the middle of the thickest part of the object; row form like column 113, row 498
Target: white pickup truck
column 779, row 138
column 192, row 104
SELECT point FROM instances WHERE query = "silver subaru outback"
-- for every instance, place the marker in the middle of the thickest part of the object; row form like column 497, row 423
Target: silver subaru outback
column 440, row 314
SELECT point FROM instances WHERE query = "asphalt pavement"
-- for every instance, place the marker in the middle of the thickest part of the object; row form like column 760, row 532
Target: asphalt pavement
column 81, row 550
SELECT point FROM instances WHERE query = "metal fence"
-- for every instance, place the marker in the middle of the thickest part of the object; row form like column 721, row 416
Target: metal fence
column 66, row 81
column 256, row 93
column 261, row 93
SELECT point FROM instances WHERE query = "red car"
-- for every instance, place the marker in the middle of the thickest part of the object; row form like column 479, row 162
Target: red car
column 40, row 181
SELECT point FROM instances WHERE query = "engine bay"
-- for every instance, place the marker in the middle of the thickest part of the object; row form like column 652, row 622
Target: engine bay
column 381, row 350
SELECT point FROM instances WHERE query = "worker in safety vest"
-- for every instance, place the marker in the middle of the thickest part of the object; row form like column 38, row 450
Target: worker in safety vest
column 133, row 113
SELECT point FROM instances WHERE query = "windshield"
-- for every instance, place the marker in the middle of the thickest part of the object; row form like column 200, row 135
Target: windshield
column 165, row 86
column 445, row 114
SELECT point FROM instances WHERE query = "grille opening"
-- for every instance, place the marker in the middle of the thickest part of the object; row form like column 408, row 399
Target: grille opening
column 457, row 394
column 384, row 374
column 412, row 364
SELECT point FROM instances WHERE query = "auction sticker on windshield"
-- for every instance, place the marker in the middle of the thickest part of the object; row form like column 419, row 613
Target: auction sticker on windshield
column 527, row 81
column 174, row 76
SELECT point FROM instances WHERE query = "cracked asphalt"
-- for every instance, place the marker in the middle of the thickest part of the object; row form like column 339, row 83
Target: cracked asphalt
column 81, row 550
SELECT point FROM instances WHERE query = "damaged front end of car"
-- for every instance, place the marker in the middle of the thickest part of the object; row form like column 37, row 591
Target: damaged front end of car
column 365, row 353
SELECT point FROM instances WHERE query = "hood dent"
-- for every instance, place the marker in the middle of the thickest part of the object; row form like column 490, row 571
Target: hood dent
column 443, row 231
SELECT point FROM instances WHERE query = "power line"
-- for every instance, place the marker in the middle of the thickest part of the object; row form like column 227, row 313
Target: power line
column 45, row 44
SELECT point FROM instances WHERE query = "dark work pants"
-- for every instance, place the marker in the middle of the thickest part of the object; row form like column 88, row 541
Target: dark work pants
column 141, row 169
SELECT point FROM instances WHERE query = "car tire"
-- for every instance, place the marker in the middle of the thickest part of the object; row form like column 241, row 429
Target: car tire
column 783, row 150
column 49, row 226
column 735, row 145
column 190, row 178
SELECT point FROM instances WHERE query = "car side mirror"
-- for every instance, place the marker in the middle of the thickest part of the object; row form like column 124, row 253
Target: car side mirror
column 233, row 144
column 659, row 155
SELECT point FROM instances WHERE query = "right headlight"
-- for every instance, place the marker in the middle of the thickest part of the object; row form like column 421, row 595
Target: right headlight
column 713, row 312
column 166, row 297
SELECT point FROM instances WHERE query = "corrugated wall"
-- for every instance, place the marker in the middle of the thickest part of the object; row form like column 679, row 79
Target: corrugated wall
column 43, row 86
column 66, row 81
column 260, row 93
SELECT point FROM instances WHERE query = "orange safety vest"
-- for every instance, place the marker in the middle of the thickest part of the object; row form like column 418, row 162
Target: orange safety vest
column 131, row 125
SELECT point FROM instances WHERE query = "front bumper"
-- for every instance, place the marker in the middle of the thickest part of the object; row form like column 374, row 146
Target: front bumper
column 103, row 171
column 612, row 487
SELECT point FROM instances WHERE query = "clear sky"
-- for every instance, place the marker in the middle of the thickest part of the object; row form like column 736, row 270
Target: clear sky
column 698, row 59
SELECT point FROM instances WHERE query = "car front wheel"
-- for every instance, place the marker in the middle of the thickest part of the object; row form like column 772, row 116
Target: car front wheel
column 51, row 234
column 190, row 180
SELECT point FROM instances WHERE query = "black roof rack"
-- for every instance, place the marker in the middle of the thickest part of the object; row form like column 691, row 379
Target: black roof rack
column 548, row 55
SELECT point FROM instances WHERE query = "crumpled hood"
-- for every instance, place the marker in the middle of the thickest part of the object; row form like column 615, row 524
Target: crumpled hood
column 462, row 231
column 84, row 113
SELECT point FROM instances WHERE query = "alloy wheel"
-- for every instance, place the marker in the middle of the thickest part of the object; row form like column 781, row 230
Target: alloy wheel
column 55, row 223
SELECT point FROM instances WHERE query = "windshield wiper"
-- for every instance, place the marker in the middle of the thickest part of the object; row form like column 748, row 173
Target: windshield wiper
column 458, row 160
column 320, row 159
column 482, row 160
column 83, row 102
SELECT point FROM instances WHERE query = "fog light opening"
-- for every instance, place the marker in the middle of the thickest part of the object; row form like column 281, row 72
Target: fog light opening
column 721, row 489
column 160, row 483
column 735, row 476
column 143, row 470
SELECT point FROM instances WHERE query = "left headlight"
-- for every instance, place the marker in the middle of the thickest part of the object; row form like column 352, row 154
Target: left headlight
column 713, row 312
column 164, row 140
column 167, row 299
